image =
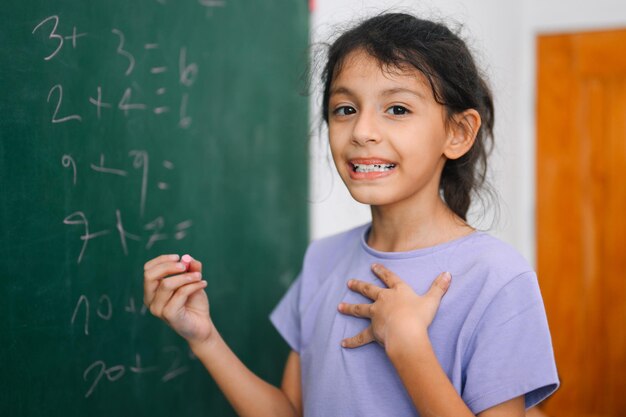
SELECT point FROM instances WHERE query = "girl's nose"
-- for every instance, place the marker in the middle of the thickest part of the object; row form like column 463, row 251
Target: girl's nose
column 366, row 129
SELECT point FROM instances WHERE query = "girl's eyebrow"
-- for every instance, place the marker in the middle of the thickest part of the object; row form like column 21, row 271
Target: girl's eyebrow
column 396, row 90
column 388, row 92
column 341, row 90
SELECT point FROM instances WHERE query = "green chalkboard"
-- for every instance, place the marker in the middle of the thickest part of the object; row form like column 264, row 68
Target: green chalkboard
column 131, row 129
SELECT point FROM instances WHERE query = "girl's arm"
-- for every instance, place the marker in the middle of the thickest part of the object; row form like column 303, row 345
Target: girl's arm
column 177, row 297
column 429, row 387
column 247, row 393
column 407, row 344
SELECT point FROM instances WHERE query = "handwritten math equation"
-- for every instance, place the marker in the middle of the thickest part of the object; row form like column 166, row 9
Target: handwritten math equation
column 178, row 365
column 102, row 309
column 105, row 99
column 172, row 80
column 156, row 228
column 98, row 371
column 178, row 360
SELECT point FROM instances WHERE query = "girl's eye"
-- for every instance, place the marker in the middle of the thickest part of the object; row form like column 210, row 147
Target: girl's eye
column 397, row 110
column 344, row 111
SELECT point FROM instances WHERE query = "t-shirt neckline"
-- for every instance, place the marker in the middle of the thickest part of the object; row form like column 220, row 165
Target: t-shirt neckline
column 415, row 252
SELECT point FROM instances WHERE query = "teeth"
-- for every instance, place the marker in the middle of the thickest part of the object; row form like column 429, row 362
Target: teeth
column 373, row 167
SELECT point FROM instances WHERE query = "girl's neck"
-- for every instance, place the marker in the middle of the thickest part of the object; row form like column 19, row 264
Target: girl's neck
column 400, row 229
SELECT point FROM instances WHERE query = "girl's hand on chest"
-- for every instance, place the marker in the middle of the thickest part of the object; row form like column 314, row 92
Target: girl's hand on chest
column 398, row 315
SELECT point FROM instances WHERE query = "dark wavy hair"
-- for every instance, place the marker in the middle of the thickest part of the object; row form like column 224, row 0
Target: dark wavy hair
column 398, row 40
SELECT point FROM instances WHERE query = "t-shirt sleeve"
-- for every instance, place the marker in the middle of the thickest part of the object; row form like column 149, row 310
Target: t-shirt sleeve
column 511, row 353
column 286, row 315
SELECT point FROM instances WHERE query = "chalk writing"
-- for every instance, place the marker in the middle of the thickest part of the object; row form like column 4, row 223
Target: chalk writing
column 98, row 102
column 120, row 50
column 104, row 310
column 53, row 34
column 78, row 218
column 123, row 233
column 68, row 162
column 119, row 95
column 59, row 88
column 74, row 37
column 140, row 161
column 125, row 105
column 212, row 3
column 177, row 366
column 107, row 170
column 113, row 374
column 139, row 369
column 184, row 120
column 155, row 227
column 187, row 74
column 82, row 301
column 130, row 307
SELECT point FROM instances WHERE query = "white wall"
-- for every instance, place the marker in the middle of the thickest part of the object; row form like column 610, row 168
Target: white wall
column 502, row 34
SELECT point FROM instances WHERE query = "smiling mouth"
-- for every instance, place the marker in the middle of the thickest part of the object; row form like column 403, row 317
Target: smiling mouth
column 372, row 167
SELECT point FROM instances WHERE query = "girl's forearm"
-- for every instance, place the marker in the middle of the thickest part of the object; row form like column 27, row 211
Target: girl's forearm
column 430, row 389
column 247, row 393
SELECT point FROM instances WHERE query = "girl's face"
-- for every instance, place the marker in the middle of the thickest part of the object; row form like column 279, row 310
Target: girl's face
column 387, row 133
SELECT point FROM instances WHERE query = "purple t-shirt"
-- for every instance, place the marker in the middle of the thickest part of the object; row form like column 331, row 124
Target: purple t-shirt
column 490, row 334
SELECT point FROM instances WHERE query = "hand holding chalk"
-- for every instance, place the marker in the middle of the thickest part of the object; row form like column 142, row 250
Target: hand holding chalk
column 174, row 292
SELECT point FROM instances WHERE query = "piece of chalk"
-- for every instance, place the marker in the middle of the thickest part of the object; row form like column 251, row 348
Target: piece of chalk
column 186, row 260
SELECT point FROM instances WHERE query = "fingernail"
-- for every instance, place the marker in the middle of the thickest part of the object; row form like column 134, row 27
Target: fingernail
column 344, row 343
column 446, row 277
column 340, row 306
column 350, row 282
column 375, row 267
column 198, row 274
column 181, row 266
column 174, row 257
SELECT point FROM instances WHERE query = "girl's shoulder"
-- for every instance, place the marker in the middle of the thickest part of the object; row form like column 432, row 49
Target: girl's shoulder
column 488, row 268
column 488, row 244
column 496, row 255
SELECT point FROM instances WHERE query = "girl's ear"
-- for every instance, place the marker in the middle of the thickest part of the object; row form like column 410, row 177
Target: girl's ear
column 463, row 130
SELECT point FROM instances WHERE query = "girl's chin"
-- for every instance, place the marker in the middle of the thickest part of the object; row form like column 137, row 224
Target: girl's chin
column 369, row 197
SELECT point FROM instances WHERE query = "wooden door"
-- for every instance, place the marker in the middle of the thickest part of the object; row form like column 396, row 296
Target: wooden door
column 581, row 217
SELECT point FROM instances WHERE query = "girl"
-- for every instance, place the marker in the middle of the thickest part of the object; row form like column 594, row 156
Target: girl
column 409, row 118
